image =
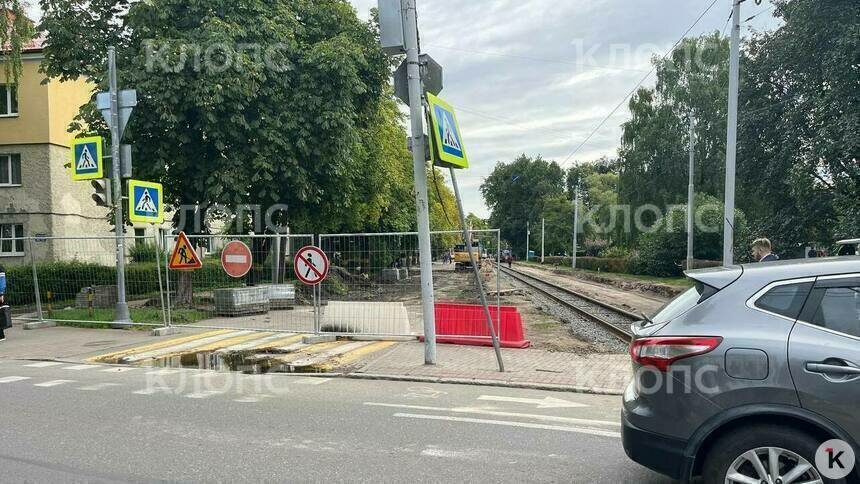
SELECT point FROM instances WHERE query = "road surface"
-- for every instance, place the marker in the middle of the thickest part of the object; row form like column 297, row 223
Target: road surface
column 63, row 422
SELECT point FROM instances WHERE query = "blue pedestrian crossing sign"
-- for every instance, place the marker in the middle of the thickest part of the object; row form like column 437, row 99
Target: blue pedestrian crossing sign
column 447, row 137
column 87, row 161
column 145, row 202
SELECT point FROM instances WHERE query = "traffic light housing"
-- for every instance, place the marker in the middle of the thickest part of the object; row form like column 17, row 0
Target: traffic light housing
column 102, row 195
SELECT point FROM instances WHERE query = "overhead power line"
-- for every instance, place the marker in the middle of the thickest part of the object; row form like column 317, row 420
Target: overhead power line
column 638, row 84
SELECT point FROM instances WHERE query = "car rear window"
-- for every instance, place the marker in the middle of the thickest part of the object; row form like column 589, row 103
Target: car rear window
column 786, row 300
column 680, row 305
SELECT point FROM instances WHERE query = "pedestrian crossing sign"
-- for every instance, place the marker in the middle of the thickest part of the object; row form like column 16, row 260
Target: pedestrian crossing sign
column 145, row 202
column 87, row 161
column 184, row 257
column 447, row 138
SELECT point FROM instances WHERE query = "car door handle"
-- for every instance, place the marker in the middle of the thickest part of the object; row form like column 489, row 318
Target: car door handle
column 832, row 369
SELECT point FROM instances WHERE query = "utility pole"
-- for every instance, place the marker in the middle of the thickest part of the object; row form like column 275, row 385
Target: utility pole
column 121, row 315
column 691, row 194
column 732, row 137
column 528, row 233
column 419, row 167
column 542, row 232
column 575, row 225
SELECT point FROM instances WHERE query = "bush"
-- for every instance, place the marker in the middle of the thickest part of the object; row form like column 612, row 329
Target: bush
column 604, row 264
column 143, row 252
column 594, row 247
column 616, row 252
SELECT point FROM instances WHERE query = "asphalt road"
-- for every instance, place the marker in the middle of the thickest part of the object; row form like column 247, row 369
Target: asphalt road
column 85, row 423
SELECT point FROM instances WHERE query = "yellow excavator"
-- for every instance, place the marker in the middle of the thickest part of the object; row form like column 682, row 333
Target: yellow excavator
column 462, row 261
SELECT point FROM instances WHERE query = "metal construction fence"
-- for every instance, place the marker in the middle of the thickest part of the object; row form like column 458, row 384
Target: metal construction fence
column 373, row 287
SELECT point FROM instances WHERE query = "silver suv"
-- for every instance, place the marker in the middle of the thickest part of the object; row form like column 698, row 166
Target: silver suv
column 745, row 376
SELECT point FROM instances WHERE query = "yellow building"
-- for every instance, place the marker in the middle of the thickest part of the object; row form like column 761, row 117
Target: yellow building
column 37, row 195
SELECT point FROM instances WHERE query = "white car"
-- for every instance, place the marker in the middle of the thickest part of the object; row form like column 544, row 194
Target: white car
column 848, row 247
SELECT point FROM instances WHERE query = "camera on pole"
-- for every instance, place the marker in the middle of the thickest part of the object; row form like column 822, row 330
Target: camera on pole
column 102, row 195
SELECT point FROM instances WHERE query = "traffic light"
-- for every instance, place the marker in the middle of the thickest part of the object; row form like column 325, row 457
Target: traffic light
column 102, row 196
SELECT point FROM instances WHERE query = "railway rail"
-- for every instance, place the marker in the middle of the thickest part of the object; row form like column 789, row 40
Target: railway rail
column 614, row 319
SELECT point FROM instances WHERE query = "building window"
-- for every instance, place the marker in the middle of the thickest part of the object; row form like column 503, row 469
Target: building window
column 11, row 239
column 10, row 170
column 8, row 100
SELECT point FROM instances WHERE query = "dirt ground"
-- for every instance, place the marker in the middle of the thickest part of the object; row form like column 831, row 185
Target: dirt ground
column 625, row 299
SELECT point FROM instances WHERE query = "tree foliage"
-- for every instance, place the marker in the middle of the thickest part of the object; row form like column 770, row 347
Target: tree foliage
column 15, row 32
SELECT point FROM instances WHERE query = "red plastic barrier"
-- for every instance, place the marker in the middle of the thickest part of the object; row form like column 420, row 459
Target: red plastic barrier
column 466, row 324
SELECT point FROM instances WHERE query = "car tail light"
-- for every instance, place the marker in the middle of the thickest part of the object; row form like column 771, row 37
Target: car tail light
column 662, row 352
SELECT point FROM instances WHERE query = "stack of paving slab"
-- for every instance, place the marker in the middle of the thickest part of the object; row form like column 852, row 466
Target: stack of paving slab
column 241, row 301
column 103, row 297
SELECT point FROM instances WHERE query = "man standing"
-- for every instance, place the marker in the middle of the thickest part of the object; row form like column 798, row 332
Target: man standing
column 5, row 312
column 762, row 251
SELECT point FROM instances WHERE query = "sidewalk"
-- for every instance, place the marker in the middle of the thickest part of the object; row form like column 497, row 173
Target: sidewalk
column 599, row 373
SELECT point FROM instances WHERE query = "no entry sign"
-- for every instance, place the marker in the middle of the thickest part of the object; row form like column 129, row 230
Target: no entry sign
column 236, row 259
column 311, row 265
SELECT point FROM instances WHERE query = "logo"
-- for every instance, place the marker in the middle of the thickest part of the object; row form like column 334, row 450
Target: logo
column 835, row 459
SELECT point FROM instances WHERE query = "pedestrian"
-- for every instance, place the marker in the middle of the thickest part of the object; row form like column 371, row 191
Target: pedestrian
column 762, row 251
column 5, row 313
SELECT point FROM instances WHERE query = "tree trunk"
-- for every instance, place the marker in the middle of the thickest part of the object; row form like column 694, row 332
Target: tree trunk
column 184, row 290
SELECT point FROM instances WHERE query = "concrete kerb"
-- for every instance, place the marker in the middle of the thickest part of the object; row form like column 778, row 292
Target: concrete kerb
column 39, row 325
column 483, row 382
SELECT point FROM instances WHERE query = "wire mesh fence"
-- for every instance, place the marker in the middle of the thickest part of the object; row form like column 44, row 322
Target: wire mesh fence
column 265, row 296
column 375, row 282
column 74, row 279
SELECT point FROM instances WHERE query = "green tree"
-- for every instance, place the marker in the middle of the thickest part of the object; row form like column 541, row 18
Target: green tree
column 477, row 223
column 516, row 194
column 15, row 32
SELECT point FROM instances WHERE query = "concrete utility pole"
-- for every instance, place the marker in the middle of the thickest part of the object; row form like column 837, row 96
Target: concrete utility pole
column 691, row 194
column 732, row 137
column 575, row 226
column 121, row 315
column 542, row 232
column 419, row 167
column 528, row 233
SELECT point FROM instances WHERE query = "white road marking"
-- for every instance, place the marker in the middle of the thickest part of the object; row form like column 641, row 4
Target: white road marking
column 203, row 394
column 546, row 402
column 164, row 371
column 98, row 387
column 119, row 369
column 13, row 379
column 53, row 383
column 252, row 398
column 44, row 364
column 152, row 391
column 81, row 367
column 496, row 413
column 450, row 454
column 506, row 423
column 311, row 381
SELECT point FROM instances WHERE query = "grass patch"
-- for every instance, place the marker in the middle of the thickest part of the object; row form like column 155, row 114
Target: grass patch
column 672, row 281
column 101, row 318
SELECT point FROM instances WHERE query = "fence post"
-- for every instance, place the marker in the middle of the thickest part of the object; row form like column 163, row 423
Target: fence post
column 499, row 279
column 159, row 250
column 35, row 279
column 167, row 278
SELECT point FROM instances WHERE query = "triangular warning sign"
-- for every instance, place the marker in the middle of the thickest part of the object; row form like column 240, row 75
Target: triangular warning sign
column 184, row 257
column 449, row 135
column 145, row 204
column 86, row 161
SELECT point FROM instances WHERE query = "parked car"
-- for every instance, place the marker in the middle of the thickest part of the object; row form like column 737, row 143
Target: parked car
column 744, row 376
column 848, row 247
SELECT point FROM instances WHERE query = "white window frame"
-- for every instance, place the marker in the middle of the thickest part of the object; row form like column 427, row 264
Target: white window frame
column 6, row 163
column 9, row 114
column 14, row 238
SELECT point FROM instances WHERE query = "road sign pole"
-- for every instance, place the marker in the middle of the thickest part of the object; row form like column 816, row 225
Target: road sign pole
column 691, row 193
column 732, row 138
column 467, row 240
column 122, row 315
column 575, row 226
column 542, row 232
column 416, row 108
column 528, row 234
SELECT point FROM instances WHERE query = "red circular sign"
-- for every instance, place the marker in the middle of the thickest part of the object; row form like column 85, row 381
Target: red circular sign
column 236, row 259
column 311, row 265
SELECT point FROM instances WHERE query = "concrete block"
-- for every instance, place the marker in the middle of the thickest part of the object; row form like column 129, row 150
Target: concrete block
column 240, row 301
column 165, row 331
column 282, row 296
column 361, row 317
column 389, row 275
column 321, row 338
column 104, row 297
column 39, row 325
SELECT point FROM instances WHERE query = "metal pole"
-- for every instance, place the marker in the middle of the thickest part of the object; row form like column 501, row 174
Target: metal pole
column 528, row 233
column 542, row 232
column 575, row 226
column 122, row 314
column 416, row 108
column 36, row 291
column 167, row 278
column 467, row 238
column 160, row 285
column 732, row 138
column 499, row 274
column 691, row 194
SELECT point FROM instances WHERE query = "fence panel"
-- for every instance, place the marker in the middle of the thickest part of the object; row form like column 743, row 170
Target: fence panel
column 267, row 298
column 73, row 279
column 375, row 283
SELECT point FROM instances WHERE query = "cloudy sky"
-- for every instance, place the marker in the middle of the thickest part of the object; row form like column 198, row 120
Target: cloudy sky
column 538, row 76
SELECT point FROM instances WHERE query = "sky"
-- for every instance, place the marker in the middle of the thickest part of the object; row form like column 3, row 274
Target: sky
column 538, row 76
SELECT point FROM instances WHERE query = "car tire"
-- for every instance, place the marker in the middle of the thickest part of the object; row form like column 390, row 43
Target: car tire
column 728, row 449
